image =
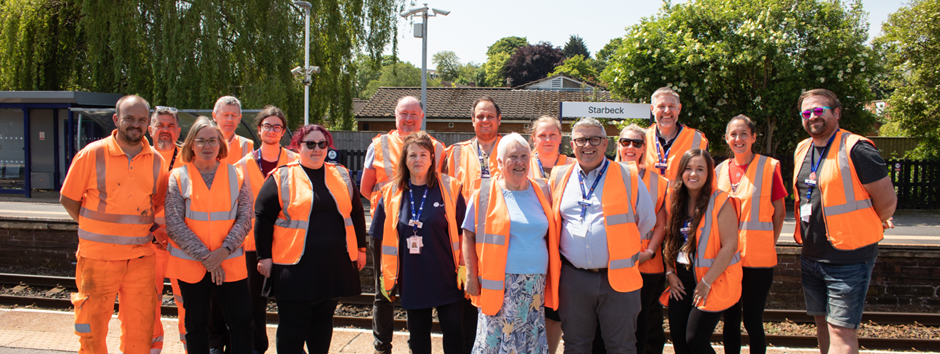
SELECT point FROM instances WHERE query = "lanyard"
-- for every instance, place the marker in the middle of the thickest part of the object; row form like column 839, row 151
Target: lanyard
column 664, row 157
column 176, row 150
column 415, row 224
column 484, row 164
column 541, row 169
column 258, row 158
column 586, row 196
column 685, row 231
column 814, row 165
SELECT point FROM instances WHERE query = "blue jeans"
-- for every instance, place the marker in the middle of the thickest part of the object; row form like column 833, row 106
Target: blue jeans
column 836, row 290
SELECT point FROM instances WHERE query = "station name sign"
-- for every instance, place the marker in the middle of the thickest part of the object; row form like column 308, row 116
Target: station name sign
column 614, row 110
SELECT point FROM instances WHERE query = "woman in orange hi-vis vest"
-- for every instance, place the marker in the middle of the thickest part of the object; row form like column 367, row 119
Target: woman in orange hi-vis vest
column 545, row 137
column 701, row 253
column 310, row 237
column 208, row 215
column 511, row 251
column 755, row 180
column 416, row 225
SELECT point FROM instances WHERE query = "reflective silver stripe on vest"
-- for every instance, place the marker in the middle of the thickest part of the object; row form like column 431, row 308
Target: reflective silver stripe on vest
column 386, row 153
column 543, row 186
column 178, row 253
column 653, row 187
column 183, row 339
column 114, row 240
column 445, row 181
column 158, row 339
column 755, row 224
column 624, row 263
column 700, row 260
column 720, row 167
column 101, row 172
column 630, row 216
column 696, row 139
column 344, row 174
column 455, row 159
column 562, row 175
column 244, row 145
column 847, row 207
column 482, row 237
column 390, row 250
column 231, row 214
column 491, row 284
column 179, row 299
column 455, row 246
column 484, row 202
column 83, row 328
column 285, row 201
column 116, row 218
column 846, row 171
column 247, row 175
column 157, row 167
column 378, row 186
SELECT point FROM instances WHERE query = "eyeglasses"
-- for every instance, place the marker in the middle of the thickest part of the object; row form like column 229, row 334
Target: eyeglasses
column 810, row 112
column 637, row 143
column 594, row 140
column 203, row 142
column 275, row 128
column 321, row 144
column 165, row 109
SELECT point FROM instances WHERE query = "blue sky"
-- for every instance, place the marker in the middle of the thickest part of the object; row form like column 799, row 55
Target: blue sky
column 474, row 25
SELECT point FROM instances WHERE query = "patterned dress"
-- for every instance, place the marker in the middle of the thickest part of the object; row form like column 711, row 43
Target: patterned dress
column 519, row 326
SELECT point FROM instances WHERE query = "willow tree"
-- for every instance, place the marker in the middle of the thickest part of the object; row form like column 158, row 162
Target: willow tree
column 40, row 47
column 752, row 57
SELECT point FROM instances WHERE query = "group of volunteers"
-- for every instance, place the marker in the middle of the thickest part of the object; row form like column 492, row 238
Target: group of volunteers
column 510, row 244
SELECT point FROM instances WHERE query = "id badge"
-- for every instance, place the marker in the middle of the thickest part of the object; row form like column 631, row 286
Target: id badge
column 805, row 211
column 683, row 258
column 661, row 165
column 414, row 244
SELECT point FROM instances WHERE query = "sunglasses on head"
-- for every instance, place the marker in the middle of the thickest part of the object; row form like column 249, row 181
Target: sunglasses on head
column 810, row 112
column 638, row 143
column 321, row 144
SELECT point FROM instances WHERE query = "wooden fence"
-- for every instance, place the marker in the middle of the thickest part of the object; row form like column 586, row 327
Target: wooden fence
column 917, row 183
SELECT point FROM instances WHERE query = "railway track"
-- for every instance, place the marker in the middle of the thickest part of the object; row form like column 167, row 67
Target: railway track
column 366, row 322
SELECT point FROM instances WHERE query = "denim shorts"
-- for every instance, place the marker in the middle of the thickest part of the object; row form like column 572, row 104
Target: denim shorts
column 836, row 291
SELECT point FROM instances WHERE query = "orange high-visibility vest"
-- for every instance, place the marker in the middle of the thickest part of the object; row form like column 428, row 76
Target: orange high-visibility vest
column 463, row 162
column 492, row 244
column 619, row 205
column 238, row 147
column 252, row 172
column 851, row 221
column 160, row 218
column 210, row 213
column 295, row 194
column 117, row 196
column 725, row 291
column 536, row 172
column 756, row 220
column 387, row 149
column 392, row 197
column 657, row 186
column 687, row 139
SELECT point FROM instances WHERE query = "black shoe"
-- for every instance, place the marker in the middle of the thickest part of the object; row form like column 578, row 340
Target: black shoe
column 216, row 351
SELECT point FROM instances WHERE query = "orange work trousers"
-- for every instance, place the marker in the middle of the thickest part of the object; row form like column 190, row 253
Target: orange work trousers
column 98, row 282
column 163, row 257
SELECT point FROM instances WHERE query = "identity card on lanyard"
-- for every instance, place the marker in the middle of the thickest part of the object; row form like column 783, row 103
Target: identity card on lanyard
column 806, row 208
column 415, row 242
column 484, row 163
column 580, row 228
column 663, row 161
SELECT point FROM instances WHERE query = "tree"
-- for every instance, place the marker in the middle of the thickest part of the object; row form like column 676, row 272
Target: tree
column 752, row 57
column 399, row 74
column 470, row 74
column 497, row 55
column 447, row 64
column 506, row 45
column 603, row 55
column 576, row 66
column 187, row 54
column 576, row 46
column 532, row 62
column 911, row 46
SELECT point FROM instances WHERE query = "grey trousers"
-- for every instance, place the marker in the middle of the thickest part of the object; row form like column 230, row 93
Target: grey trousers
column 585, row 300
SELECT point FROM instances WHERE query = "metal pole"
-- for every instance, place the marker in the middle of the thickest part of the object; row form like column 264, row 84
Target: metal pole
column 424, row 69
column 307, row 66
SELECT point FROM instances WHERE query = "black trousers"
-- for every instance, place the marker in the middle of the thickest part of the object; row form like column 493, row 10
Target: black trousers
column 234, row 301
column 305, row 322
column 451, row 318
column 259, row 304
column 470, row 313
column 690, row 327
column 218, row 331
column 650, row 336
column 383, row 316
column 755, row 285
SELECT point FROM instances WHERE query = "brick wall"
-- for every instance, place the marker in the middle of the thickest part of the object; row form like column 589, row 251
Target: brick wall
column 38, row 244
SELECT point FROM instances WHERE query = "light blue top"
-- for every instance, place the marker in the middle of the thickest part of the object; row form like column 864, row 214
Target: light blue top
column 584, row 244
column 528, row 245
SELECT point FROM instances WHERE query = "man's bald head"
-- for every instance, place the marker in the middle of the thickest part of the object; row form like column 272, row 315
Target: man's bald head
column 408, row 115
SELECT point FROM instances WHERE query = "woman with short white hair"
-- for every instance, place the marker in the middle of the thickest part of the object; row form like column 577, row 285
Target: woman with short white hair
column 511, row 253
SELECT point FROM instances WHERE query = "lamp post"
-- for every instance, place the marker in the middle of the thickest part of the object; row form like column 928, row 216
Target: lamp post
column 307, row 69
column 421, row 31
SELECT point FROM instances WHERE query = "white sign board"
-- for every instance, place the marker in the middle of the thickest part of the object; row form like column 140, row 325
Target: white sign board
column 614, row 110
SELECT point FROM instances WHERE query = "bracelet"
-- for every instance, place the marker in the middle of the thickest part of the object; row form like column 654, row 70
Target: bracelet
column 670, row 272
column 706, row 283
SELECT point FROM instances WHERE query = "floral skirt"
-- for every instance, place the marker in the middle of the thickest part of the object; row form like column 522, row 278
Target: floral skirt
column 519, row 326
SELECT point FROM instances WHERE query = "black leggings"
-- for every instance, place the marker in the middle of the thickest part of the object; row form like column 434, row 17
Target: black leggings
column 309, row 322
column 690, row 327
column 755, row 285
column 450, row 317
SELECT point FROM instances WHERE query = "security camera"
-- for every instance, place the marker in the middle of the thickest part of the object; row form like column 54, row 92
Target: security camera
column 298, row 71
column 440, row 12
column 314, row 69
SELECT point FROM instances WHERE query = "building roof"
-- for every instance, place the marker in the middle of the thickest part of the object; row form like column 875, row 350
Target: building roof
column 456, row 102
column 72, row 97
column 578, row 81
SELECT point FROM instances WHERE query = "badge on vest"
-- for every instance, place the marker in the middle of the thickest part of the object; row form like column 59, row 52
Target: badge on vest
column 811, row 181
column 414, row 244
column 415, row 222
column 805, row 211
column 661, row 165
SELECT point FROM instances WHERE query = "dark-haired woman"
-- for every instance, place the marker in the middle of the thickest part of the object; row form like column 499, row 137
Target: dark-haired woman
column 416, row 222
column 701, row 253
column 310, row 235
column 754, row 180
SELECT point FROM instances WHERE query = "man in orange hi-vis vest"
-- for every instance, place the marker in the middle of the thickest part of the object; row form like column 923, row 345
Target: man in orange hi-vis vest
column 227, row 113
column 114, row 188
column 601, row 207
column 844, row 201
column 379, row 168
column 668, row 139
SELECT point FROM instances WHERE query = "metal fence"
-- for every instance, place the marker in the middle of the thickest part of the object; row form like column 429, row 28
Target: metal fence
column 916, row 182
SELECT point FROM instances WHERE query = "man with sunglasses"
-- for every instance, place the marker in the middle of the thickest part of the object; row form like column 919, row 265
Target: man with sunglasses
column 844, row 201
column 256, row 165
column 380, row 164
column 602, row 207
column 667, row 138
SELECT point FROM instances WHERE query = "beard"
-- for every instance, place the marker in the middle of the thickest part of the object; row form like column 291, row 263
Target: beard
column 132, row 135
column 824, row 129
column 165, row 143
